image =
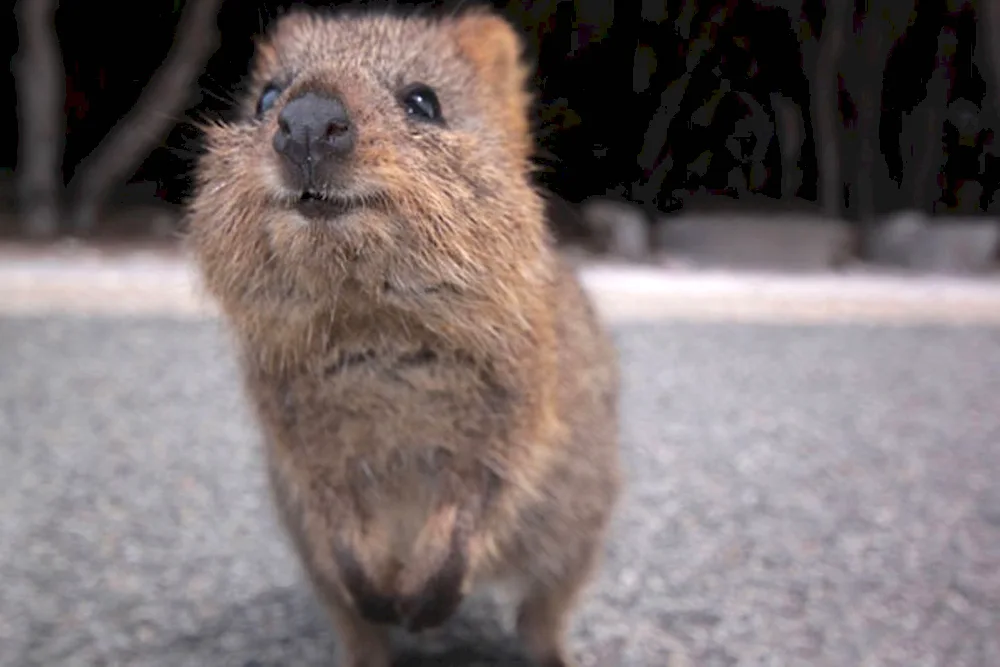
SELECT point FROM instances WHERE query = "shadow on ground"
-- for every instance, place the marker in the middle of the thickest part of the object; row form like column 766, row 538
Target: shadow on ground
column 286, row 627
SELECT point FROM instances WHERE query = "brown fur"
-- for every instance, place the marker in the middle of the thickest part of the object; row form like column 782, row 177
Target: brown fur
column 438, row 399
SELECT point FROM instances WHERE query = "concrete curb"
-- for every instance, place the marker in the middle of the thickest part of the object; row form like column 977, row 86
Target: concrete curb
column 638, row 293
column 165, row 284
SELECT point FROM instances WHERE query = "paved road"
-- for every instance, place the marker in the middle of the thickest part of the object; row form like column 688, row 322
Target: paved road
column 823, row 495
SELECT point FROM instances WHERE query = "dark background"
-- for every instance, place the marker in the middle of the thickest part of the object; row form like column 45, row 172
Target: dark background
column 667, row 104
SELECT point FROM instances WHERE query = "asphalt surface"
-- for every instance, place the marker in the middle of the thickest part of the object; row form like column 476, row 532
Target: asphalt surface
column 798, row 495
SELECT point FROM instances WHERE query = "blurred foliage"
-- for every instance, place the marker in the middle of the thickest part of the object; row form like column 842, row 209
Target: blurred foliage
column 656, row 101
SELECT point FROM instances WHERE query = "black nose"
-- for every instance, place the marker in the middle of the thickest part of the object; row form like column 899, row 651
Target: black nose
column 313, row 128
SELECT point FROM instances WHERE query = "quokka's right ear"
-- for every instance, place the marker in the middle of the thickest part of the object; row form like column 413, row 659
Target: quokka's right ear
column 493, row 45
column 496, row 50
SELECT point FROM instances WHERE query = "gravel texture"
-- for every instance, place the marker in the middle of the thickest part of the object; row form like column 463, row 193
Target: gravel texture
column 798, row 495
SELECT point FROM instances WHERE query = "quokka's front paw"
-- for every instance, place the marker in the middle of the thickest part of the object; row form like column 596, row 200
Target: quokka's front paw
column 432, row 585
column 428, row 589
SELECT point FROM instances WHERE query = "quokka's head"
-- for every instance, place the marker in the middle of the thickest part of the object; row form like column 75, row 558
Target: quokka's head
column 389, row 150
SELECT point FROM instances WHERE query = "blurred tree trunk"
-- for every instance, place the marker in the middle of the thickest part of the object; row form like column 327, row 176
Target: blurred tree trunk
column 155, row 112
column 989, row 23
column 927, row 148
column 926, row 155
column 869, row 115
column 831, row 43
column 41, row 91
column 791, row 136
column 883, row 22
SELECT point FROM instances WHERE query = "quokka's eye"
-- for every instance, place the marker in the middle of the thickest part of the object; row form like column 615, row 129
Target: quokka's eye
column 421, row 102
column 267, row 98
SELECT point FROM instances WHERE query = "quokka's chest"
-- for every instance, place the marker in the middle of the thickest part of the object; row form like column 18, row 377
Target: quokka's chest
column 414, row 400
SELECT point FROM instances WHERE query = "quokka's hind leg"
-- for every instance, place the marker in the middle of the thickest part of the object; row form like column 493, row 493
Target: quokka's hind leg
column 544, row 614
column 360, row 643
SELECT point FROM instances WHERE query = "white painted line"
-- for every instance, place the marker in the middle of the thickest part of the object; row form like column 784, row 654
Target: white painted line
column 164, row 285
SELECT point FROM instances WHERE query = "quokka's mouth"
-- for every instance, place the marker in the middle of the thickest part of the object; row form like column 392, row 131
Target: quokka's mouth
column 317, row 205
